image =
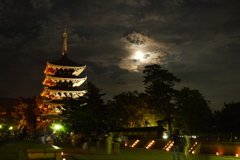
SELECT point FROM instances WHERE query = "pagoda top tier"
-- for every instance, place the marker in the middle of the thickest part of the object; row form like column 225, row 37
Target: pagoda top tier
column 64, row 61
column 64, row 47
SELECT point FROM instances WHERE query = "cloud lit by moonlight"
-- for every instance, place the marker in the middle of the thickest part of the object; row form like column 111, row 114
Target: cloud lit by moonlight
column 143, row 50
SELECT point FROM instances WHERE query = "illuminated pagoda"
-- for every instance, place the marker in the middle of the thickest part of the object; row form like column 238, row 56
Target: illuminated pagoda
column 63, row 81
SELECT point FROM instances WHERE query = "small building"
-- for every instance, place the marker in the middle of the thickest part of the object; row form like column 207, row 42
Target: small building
column 141, row 132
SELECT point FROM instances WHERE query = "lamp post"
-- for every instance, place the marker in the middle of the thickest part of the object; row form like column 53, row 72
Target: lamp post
column 57, row 127
column 10, row 130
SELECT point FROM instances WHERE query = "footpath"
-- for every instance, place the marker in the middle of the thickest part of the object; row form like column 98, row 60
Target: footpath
column 14, row 150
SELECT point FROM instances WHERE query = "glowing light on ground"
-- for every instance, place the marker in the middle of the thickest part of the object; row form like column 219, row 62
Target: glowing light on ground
column 165, row 136
column 168, row 146
column 56, row 147
column 193, row 147
column 150, row 144
column 135, row 143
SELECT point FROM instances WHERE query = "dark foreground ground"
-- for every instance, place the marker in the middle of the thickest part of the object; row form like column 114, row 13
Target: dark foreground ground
column 14, row 150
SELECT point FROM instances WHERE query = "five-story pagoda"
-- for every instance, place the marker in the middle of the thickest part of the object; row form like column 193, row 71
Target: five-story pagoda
column 64, row 80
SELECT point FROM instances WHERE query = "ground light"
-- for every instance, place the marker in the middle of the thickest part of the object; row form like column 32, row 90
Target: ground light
column 135, row 143
column 192, row 148
column 150, row 143
column 10, row 128
column 57, row 126
column 168, row 146
column 56, row 147
column 165, row 136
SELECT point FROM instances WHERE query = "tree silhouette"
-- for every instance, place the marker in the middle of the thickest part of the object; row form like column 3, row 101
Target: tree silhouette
column 128, row 109
column 194, row 113
column 228, row 118
column 159, row 85
column 26, row 112
column 88, row 113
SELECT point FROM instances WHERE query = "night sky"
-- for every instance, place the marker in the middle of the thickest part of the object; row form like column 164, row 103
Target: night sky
column 196, row 40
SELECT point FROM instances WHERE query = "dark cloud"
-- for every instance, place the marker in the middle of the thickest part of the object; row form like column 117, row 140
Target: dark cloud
column 112, row 71
column 44, row 4
column 120, row 83
column 176, row 65
column 198, row 41
column 117, row 71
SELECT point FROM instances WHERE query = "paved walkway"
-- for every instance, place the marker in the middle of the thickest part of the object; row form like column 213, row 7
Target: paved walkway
column 12, row 150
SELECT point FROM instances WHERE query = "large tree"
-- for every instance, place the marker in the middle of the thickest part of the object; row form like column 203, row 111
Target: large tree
column 88, row 113
column 194, row 112
column 128, row 109
column 25, row 113
column 228, row 118
column 159, row 85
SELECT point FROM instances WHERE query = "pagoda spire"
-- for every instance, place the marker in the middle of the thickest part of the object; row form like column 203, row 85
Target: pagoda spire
column 64, row 47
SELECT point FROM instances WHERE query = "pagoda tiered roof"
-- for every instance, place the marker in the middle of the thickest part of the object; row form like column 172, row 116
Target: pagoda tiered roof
column 52, row 80
column 53, row 93
column 51, row 69
column 65, row 61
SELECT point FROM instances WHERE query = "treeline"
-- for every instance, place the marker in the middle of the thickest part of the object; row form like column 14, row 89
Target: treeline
column 19, row 112
column 160, row 105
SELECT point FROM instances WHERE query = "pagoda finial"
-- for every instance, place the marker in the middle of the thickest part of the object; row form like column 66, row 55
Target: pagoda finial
column 64, row 47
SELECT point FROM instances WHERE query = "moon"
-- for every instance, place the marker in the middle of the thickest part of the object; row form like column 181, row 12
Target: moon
column 138, row 55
